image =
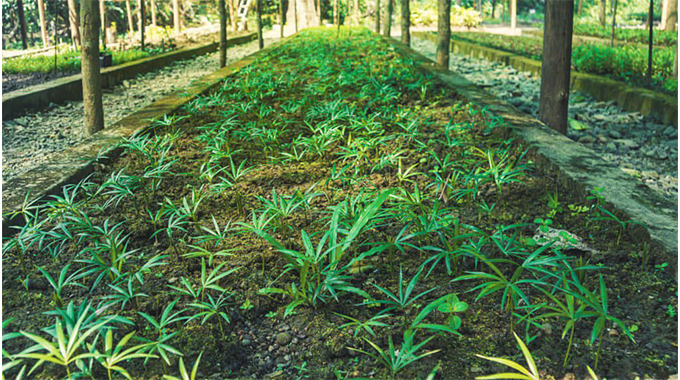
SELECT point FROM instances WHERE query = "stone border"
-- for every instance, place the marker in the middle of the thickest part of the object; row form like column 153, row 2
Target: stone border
column 70, row 88
column 75, row 163
column 630, row 98
column 578, row 167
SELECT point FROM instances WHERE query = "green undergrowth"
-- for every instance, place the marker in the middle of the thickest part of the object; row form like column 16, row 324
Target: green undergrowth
column 67, row 61
column 348, row 216
column 627, row 63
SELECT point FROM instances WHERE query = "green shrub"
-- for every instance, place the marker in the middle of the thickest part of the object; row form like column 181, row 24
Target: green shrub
column 661, row 37
column 67, row 61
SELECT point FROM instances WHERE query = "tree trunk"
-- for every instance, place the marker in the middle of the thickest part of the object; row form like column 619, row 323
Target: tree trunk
column 131, row 23
column 405, row 23
column 356, row 12
column 443, row 32
column 580, row 7
column 73, row 22
column 513, row 15
column 616, row 3
column 651, row 41
column 22, row 23
column 43, row 26
column 258, row 17
column 664, row 15
column 281, row 17
column 603, row 12
column 91, row 77
column 102, row 18
column 493, row 9
column 388, row 17
column 232, row 14
column 672, row 18
column 377, row 16
column 153, row 13
column 296, row 15
column 317, row 9
column 142, row 22
column 175, row 16
column 556, row 65
column 336, row 14
column 675, row 61
column 223, row 32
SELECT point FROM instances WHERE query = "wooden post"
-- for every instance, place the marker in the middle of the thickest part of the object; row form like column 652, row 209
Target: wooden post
column 153, row 13
column 131, row 24
column 603, row 12
column 43, row 26
column 102, row 18
column 405, row 23
column 92, row 85
column 73, row 22
column 142, row 22
column 388, row 17
column 377, row 16
column 555, row 68
column 22, row 23
column 221, row 4
column 651, row 41
column 443, row 33
column 258, row 13
column 175, row 16
column 513, row 15
column 616, row 2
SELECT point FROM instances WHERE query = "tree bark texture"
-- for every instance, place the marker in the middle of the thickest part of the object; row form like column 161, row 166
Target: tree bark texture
column 651, row 41
column 131, row 23
column 22, row 23
column 282, row 17
column 91, row 77
column 580, row 7
column 556, row 65
column 377, row 16
column 73, row 22
column 443, row 32
column 221, row 4
column 603, row 12
column 356, row 12
column 175, row 16
column 405, row 23
column 43, row 25
column 102, row 18
column 152, row 6
column 513, row 15
column 142, row 22
column 388, row 17
column 616, row 3
column 672, row 18
column 258, row 14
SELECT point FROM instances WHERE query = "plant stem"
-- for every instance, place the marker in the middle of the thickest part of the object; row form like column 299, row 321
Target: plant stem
column 571, row 337
column 599, row 346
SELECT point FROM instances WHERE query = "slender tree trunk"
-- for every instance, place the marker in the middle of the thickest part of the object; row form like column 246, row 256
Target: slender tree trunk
column 223, row 32
column 651, row 41
column 443, row 33
column 175, row 16
column 142, row 22
column 232, row 13
column 281, row 17
column 43, row 25
column 131, row 23
column 22, row 23
column 336, row 19
column 616, row 3
column 296, row 14
column 580, row 7
column 675, row 61
column 672, row 18
column 377, row 16
column 664, row 15
column 258, row 14
column 555, row 68
column 513, row 15
column 73, row 22
column 603, row 12
column 388, row 17
column 356, row 12
column 405, row 23
column 102, row 18
column 91, row 77
column 493, row 9
column 153, row 13
column 318, row 11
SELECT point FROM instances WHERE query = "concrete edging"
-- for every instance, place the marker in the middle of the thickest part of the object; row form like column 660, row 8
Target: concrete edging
column 630, row 98
column 70, row 88
column 578, row 167
column 75, row 163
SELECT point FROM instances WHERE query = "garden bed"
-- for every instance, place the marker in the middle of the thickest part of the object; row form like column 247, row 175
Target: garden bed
column 342, row 143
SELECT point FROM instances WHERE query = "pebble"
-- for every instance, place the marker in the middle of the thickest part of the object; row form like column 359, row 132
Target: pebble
column 283, row 338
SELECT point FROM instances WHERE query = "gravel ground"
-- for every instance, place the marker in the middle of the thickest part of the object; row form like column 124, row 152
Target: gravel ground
column 29, row 140
column 642, row 147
